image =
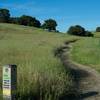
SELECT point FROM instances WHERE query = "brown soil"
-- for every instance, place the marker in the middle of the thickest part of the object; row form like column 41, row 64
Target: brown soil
column 87, row 80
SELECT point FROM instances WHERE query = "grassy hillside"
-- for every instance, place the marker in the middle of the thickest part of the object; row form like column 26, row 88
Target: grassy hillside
column 40, row 74
column 87, row 51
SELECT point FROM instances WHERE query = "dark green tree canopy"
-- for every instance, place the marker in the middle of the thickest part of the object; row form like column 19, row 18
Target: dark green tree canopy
column 14, row 20
column 79, row 30
column 29, row 21
column 98, row 29
column 76, row 30
column 49, row 24
column 4, row 15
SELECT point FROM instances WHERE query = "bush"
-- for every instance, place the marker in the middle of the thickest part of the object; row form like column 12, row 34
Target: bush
column 14, row 20
column 50, row 24
column 89, row 34
column 4, row 15
column 76, row 30
column 29, row 21
column 98, row 29
column 79, row 31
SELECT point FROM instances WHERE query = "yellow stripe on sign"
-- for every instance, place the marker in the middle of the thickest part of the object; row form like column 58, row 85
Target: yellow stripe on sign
column 7, row 92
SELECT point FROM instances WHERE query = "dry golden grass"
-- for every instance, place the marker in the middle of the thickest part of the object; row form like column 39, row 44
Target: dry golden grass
column 40, row 74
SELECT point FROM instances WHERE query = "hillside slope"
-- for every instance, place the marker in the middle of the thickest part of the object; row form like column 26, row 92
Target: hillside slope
column 40, row 74
column 87, row 51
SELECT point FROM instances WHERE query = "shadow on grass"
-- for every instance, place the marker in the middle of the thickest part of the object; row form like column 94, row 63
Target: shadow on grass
column 88, row 94
column 81, row 96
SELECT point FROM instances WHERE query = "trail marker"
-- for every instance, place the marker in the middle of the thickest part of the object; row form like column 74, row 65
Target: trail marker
column 9, row 82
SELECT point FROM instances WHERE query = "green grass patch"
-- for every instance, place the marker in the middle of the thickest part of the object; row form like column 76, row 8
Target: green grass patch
column 87, row 51
column 40, row 74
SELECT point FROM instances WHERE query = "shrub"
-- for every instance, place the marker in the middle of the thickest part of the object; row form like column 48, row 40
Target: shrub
column 89, row 34
column 29, row 21
column 14, row 20
column 98, row 29
column 4, row 15
column 79, row 31
column 76, row 30
column 49, row 24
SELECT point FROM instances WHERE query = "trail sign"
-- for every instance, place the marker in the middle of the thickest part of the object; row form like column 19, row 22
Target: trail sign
column 9, row 82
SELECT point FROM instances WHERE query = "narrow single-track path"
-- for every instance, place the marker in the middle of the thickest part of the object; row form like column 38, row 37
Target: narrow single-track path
column 87, row 80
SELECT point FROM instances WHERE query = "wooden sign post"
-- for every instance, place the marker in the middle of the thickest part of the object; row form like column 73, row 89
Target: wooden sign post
column 9, row 82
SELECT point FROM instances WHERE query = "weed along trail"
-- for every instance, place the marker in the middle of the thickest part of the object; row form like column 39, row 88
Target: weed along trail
column 87, row 80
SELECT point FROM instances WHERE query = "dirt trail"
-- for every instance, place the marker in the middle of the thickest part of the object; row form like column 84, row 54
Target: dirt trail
column 87, row 79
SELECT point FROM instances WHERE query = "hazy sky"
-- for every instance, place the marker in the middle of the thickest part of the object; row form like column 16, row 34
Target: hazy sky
column 65, row 12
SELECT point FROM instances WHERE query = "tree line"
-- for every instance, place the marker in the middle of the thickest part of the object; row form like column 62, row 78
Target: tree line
column 49, row 24
column 26, row 20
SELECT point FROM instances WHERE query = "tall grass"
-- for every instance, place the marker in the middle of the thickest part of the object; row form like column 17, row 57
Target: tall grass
column 40, row 75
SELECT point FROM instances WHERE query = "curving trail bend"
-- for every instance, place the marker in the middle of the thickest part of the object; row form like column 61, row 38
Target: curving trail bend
column 87, row 80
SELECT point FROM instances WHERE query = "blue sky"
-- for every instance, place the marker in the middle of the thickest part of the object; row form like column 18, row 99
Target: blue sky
column 65, row 12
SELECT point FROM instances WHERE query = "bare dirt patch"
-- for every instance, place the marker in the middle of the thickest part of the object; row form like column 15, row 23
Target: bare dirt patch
column 87, row 80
